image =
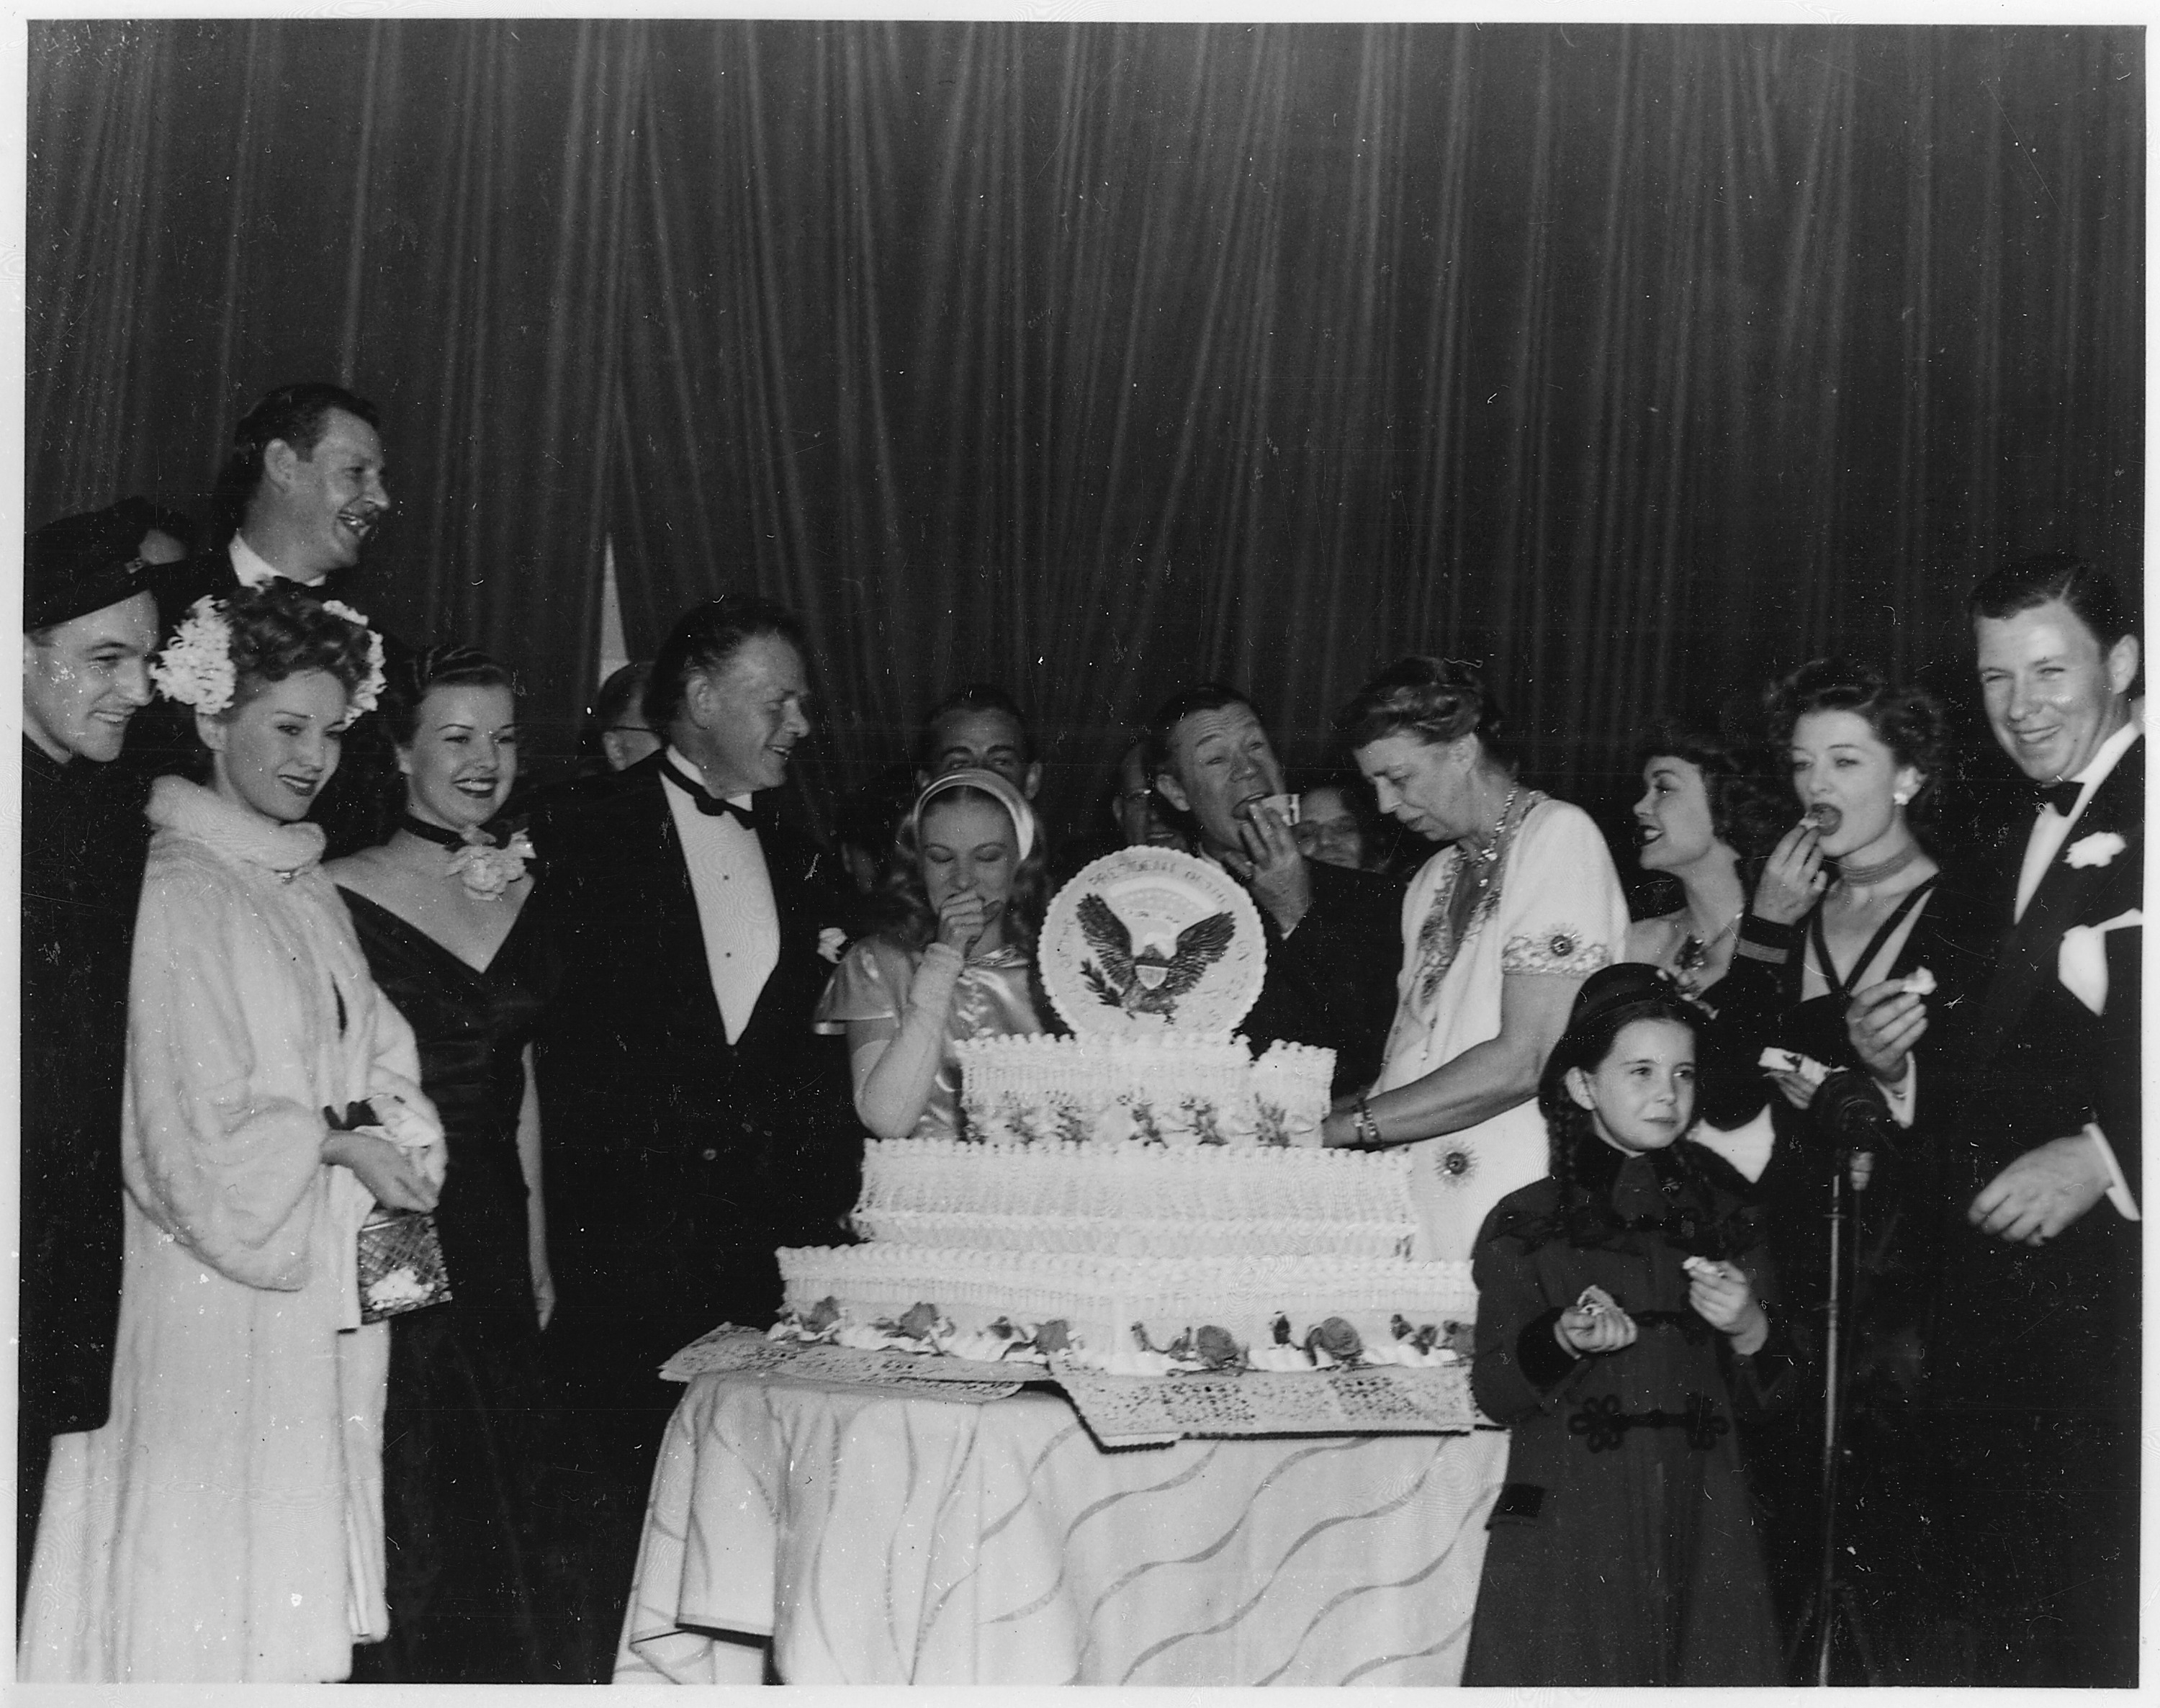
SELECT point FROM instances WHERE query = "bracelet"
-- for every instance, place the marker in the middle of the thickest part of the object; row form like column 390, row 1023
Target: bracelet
column 1368, row 1130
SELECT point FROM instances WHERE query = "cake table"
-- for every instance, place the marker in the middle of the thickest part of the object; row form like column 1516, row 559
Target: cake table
column 892, row 1536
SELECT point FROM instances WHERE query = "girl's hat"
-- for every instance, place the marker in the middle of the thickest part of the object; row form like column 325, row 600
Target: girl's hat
column 990, row 783
column 1626, row 984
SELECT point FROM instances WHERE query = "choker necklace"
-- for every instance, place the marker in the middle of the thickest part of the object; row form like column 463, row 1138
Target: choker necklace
column 486, row 867
column 1860, row 877
column 440, row 835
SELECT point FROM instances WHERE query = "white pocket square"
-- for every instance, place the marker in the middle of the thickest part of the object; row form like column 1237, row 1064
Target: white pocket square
column 2081, row 957
column 2098, row 850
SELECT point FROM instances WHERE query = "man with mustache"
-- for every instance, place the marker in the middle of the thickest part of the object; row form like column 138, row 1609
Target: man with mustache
column 1333, row 935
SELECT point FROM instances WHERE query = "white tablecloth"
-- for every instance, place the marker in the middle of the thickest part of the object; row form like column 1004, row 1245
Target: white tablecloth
column 878, row 1539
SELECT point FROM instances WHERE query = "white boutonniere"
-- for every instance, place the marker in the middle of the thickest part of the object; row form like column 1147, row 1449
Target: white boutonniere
column 2095, row 850
column 831, row 943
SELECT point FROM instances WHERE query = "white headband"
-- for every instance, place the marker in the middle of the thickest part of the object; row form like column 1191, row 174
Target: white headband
column 991, row 784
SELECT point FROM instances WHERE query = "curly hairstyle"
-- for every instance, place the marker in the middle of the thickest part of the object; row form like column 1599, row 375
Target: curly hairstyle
column 280, row 629
column 1436, row 699
column 414, row 676
column 1747, row 811
column 903, row 914
column 1909, row 721
column 1610, row 1001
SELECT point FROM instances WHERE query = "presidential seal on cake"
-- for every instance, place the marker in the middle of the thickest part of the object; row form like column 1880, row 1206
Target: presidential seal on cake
column 1142, row 1197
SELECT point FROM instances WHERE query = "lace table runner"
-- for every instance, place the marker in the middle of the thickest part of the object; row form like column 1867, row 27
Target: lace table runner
column 1124, row 1410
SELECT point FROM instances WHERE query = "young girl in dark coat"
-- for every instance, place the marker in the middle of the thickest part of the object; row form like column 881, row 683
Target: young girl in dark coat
column 1620, row 1323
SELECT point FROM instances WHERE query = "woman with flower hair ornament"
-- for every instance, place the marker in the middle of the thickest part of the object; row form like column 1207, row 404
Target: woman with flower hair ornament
column 439, row 908
column 226, row 1525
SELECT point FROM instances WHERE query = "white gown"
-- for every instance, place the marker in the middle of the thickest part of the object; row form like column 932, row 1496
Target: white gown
column 226, row 1523
column 1555, row 906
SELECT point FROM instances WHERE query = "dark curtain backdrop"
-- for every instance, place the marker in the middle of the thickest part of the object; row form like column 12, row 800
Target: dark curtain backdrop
column 1643, row 362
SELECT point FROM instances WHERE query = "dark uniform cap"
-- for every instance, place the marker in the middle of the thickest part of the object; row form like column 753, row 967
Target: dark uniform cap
column 83, row 563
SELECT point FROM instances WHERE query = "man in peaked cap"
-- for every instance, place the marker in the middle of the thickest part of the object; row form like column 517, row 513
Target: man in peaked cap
column 89, row 625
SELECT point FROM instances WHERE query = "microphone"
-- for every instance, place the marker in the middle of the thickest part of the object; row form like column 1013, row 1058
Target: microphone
column 1852, row 1112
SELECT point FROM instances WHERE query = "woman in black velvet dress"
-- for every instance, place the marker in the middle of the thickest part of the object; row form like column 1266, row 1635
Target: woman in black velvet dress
column 1851, row 904
column 437, row 909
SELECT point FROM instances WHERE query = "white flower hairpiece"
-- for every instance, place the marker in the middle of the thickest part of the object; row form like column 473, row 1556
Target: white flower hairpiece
column 370, row 691
column 195, row 668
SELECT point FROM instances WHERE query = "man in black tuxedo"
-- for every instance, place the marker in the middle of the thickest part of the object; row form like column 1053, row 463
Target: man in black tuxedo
column 692, row 1121
column 305, row 483
column 88, row 628
column 1334, row 936
column 2033, row 1368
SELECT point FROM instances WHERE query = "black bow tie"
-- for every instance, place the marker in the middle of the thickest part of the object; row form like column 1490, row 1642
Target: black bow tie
column 712, row 806
column 2062, row 796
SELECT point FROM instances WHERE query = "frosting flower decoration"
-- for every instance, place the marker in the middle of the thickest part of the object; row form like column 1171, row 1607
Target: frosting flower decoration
column 2098, row 850
column 832, row 944
column 195, row 668
column 486, row 871
column 369, row 689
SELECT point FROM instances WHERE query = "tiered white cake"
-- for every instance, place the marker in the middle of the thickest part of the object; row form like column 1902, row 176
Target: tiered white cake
column 1143, row 1246
column 1141, row 1197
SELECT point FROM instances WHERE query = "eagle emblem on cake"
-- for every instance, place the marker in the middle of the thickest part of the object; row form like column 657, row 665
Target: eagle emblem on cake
column 1148, row 978
column 1148, row 940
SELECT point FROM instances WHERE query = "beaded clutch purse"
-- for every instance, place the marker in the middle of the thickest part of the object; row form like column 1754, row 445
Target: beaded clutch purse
column 401, row 1265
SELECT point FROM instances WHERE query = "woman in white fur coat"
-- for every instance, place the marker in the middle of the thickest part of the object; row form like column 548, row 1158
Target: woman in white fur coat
column 226, row 1525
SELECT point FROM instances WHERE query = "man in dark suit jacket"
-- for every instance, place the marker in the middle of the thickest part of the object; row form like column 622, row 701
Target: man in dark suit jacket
column 1334, row 936
column 2035, row 1365
column 88, row 628
column 691, row 1119
column 305, row 483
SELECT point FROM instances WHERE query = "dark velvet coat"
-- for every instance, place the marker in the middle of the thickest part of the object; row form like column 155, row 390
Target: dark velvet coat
column 1623, row 1549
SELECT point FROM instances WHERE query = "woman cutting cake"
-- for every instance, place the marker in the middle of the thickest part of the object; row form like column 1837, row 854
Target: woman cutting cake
column 1499, row 929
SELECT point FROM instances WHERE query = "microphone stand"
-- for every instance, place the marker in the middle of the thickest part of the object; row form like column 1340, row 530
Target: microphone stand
column 1835, row 1606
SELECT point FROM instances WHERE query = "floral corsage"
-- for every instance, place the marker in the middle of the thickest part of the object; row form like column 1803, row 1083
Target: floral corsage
column 486, row 871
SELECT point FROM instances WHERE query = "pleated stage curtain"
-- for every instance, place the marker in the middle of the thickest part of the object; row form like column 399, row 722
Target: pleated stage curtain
column 1095, row 359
